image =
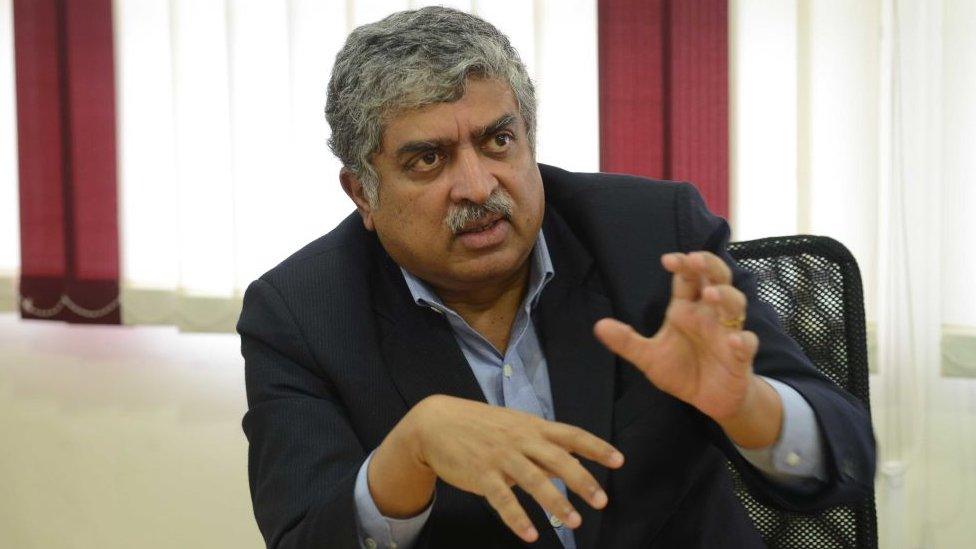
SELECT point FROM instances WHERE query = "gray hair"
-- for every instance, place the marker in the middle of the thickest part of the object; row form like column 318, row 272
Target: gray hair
column 410, row 60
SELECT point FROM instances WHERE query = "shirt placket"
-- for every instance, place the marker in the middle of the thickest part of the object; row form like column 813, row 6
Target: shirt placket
column 519, row 394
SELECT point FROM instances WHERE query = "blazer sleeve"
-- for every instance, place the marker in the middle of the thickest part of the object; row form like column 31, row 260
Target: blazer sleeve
column 303, row 455
column 843, row 421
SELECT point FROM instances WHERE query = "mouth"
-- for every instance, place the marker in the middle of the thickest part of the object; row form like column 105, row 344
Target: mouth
column 481, row 225
column 484, row 234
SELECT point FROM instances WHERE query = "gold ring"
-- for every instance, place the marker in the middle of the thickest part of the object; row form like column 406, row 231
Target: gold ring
column 735, row 323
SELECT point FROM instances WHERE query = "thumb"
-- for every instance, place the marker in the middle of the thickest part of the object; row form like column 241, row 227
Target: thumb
column 622, row 340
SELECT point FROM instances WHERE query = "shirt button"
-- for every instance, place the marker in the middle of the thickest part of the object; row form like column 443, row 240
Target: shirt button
column 555, row 522
column 370, row 543
column 507, row 370
column 793, row 459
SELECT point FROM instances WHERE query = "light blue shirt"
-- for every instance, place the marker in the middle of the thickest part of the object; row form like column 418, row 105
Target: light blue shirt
column 519, row 379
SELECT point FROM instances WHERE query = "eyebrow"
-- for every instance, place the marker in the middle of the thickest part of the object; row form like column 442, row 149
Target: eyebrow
column 497, row 125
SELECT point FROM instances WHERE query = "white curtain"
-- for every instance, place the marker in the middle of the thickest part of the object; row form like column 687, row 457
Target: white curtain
column 9, row 213
column 856, row 120
column 223, row 163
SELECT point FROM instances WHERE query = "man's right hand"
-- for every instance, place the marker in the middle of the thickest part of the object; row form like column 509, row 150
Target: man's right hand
column 486, row 450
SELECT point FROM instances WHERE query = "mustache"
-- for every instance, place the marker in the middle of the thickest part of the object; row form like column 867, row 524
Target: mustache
column 460, row 215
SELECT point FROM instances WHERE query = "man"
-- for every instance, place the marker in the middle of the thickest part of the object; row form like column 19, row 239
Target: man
column 444, row 369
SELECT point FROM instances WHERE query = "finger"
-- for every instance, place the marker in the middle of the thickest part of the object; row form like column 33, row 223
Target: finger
column 623, row 340
column 727, row 299
column 583, row 443
column 683, row 315
column 536, row 483
column 501, row 498
column 745, row 345
column 686, row 282
column 561, row 464
column 708, row 327
column 688, row 315
column 711, row 267
column 701, row 324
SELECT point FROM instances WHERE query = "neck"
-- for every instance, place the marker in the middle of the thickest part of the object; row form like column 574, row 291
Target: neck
column 490, row 308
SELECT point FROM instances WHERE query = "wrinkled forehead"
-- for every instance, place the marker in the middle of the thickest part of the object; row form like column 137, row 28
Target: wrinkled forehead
column 482, row 102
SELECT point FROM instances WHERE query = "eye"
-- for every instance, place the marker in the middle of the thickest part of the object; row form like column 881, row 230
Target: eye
column 426, row 161
column 500, row 142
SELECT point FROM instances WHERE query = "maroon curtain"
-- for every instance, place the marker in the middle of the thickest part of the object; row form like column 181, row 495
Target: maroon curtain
column 66, row 132
column 664, row 92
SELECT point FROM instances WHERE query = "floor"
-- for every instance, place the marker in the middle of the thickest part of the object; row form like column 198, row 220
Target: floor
column 120, row 437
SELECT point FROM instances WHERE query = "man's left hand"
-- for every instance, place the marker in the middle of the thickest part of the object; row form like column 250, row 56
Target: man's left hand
column 701, row 354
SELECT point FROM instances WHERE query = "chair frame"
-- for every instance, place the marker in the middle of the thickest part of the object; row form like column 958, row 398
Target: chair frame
column 748, row 254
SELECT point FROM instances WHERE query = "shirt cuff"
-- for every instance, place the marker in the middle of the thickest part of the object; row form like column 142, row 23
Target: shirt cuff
column 376, row 530
column 796, row 459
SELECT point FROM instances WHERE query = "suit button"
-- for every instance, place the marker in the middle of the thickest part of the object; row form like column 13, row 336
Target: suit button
column 555, row 522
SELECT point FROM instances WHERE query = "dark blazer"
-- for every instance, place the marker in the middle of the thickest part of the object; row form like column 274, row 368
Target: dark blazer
column 336, row 353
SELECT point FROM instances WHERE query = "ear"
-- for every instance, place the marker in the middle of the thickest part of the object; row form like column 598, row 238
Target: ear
column 354, row 189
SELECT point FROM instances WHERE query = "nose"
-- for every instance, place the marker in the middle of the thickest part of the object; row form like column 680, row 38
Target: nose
column 472, row 179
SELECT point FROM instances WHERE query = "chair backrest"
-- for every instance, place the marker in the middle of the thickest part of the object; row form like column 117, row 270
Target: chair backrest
column 814, row 285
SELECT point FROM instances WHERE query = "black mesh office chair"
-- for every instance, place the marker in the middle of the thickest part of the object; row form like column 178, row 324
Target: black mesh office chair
column 814, row 285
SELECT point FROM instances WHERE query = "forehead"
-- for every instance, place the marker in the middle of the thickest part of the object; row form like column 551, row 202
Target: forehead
column 483, row 102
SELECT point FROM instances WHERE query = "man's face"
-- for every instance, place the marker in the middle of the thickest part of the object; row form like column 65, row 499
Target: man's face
column 446, row 159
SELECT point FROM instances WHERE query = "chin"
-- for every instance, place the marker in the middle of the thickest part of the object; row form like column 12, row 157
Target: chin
column 492, row 266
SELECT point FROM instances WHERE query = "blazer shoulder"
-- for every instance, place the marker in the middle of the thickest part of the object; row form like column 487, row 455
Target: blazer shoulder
column 605, row 201
column 568, row 182
column 562, row 185
column 328, row 279
column 344, row 249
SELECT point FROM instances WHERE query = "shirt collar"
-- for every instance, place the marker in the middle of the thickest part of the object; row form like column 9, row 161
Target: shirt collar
column 540, row 273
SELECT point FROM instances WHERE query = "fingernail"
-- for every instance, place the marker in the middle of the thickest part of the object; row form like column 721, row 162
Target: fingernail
column 531, row 534
column 616, row 458
column 599, row 499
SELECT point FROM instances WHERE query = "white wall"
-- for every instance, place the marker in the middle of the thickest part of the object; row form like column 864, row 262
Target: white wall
column 959, row 157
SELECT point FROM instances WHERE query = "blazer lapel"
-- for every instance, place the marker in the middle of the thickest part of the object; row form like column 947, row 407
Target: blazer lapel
column 418, row 347
column 581, row 369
